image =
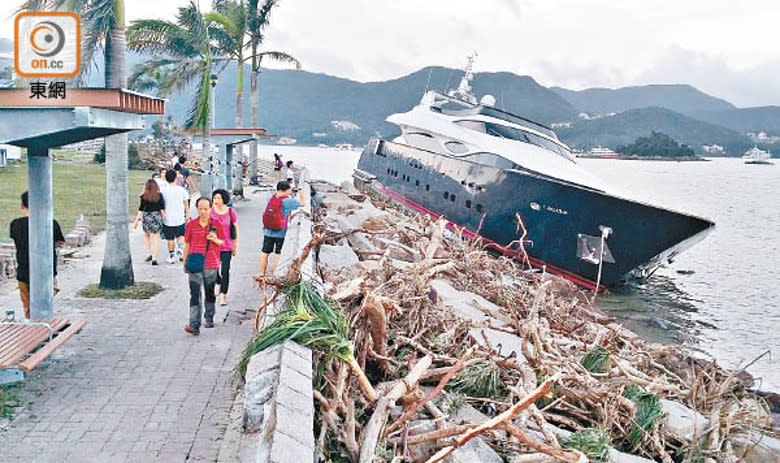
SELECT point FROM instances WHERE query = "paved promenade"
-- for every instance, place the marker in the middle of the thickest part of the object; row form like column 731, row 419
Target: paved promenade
column 133, row 386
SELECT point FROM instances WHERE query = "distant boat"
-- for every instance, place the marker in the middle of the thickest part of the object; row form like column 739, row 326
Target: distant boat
column 601, row 152
column 757, row 156
column 287, row 141
column 344, row 146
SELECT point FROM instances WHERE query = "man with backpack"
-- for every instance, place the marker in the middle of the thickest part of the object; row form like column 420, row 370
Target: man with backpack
column 275, row 217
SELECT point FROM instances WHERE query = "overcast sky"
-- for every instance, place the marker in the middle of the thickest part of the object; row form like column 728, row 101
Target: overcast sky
column 725, row 48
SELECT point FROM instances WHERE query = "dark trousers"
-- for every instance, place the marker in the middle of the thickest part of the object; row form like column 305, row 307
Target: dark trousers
column 199, row 283
column 224, row 271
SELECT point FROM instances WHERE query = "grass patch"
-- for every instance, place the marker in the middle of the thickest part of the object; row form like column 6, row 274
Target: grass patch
column 141, row 290
column 482, row 379
column 594, row 443
column 8, row 401
column 648, row 412
column 78, row 189
column 597, row 360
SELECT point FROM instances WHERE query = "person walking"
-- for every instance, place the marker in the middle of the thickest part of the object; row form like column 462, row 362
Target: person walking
column 151, row 210
column 160, row 177
column 277, row 212
column 203, row 239
column 177, row 210
column 19, row 232
column 226, row 216
column 290, row 175
column 278, row 164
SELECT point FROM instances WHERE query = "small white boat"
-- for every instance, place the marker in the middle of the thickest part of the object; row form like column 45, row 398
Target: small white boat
column 757, row 156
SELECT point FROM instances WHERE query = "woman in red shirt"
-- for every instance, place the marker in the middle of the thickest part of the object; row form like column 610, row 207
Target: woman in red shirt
column 226, row 216
column 202, row 236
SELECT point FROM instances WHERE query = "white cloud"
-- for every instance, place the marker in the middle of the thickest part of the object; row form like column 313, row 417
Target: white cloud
column 723, row 47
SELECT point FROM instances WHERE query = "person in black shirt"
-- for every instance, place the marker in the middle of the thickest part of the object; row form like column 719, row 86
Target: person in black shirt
column 152, row 211
column 19, row 233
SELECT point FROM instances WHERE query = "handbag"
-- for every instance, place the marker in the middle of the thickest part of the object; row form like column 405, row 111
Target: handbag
column 232, row 226
column 195, row 260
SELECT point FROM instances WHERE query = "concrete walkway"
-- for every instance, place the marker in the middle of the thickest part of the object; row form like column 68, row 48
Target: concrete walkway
column 133, row 386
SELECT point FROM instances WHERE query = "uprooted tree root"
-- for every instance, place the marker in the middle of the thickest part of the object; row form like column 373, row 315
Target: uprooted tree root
column 577, row 369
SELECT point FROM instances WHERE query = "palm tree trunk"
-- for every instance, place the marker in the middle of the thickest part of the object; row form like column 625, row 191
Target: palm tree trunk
column 253, row 103
column 238, row 155
column 117, row 270
column 207, row 184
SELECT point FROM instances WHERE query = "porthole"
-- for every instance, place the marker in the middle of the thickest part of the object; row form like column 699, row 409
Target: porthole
column 468, row 203
column 416, row 183
column 427, row 188
column 446, row 195
column 452, row 198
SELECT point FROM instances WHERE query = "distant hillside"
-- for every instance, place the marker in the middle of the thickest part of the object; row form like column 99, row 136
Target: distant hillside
column 762, row 118
column 299, row 103
column 626, row 127
column 683, row 99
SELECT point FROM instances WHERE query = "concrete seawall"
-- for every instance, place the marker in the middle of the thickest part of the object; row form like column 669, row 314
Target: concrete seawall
column 278, row 412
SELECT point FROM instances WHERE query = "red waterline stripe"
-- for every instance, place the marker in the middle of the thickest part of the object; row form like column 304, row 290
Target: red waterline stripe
column 573, row 277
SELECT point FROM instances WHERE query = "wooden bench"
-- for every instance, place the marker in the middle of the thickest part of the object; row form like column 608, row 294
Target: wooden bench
column 25, row 345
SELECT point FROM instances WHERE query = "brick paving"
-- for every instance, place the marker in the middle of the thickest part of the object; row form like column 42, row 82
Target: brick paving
column 133, row 386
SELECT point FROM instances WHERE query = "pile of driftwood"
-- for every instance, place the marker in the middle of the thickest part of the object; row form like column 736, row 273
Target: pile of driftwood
column 472, row 357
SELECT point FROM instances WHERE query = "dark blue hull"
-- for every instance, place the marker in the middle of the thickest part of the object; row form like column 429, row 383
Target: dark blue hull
column 563, row 221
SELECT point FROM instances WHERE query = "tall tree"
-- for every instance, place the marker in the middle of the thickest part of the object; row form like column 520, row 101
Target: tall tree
column 259, row 17
column 183, row 53
column 103, row 22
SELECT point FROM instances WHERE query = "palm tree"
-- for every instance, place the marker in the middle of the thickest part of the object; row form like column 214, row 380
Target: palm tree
column 104, row 22
column 183, row 55
column 259, row 17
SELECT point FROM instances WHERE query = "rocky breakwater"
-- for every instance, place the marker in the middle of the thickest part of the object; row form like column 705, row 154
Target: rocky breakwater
column 428, row 349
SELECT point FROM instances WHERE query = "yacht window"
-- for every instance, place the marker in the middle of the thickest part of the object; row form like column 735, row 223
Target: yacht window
column 468, row 203
column 423, row 141
column 478, row 126
column 452, row 198
column 427, row 188
column 456, row 147
column 446, row 195
column 416, row 183
column 511, row 133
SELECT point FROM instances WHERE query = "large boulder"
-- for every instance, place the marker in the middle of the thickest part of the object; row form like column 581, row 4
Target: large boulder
column 684, row 424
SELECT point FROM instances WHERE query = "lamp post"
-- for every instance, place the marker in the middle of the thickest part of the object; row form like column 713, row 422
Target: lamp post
column 214, row 80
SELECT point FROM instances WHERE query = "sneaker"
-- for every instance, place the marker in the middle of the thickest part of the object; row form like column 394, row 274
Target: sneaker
column 209, row 324
column 169, row 259
column 148, row 259
column 223, row 299
column 191, row 330
column 154, row 262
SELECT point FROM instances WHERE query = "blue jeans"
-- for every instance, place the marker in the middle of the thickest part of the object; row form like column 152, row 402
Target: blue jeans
column 204, row 280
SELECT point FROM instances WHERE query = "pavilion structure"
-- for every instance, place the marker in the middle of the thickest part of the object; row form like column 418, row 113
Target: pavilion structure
column 224, row 170
column 40, row 124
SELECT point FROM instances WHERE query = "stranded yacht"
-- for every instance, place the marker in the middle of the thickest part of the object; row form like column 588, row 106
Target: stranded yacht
column 512, row 183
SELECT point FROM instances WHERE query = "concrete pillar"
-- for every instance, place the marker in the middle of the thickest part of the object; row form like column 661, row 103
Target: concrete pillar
column 229, row 147
column 41, row 233
column 207, row 179
column 252, row 173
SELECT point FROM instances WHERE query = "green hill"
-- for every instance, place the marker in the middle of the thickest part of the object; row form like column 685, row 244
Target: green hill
column 626, row 127
column 683, row 99
column 758, row 119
